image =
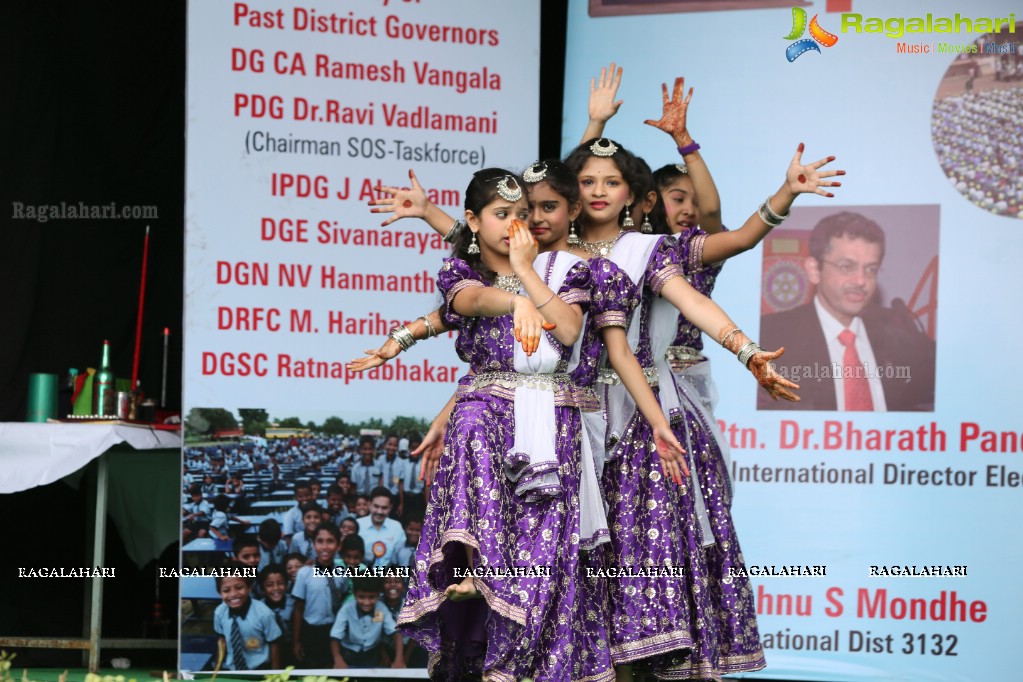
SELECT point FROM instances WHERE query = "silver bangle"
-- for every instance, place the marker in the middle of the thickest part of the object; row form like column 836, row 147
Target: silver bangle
column 511, row 302
column 452, row 234
column 724, row 340
column 775, row 218
column 403, row 337
column 546, row 302
column 747, row 352
column 430, row 330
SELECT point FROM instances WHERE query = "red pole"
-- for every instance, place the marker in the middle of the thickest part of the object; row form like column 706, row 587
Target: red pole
column 138, row 324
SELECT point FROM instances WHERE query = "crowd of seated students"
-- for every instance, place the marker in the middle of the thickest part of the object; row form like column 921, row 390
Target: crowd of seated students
column 358, row 505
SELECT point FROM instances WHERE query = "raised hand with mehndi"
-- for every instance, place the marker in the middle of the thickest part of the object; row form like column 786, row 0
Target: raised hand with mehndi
column 674, row 112
column 758, row 362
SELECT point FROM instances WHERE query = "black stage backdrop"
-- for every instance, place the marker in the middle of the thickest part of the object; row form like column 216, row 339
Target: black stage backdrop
column 92, row 110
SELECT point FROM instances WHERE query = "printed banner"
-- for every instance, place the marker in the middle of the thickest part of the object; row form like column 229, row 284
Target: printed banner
column 876, row 525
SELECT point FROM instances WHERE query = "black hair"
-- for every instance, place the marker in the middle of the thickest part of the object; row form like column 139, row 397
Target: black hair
column 368, row 583
column 295, row 555
column 335, row 489
column 368, row 439
column 381, row 491
column 270, row 531
column 236, row 570
column 330, row 528
column 352, row 542
column 194, row 489
column 242, row 541
column 846, row 223
column 304, row 483
column 481, row 192
column 349, row 518
column 221, row 502
column 628, row 164
column 559, row 177
column 311, row 507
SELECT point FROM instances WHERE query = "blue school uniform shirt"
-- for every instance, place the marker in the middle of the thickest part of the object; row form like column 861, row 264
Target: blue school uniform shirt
column 272, row 556
column 412, row 483
column 316, row 593
column 393, row 471
column 202, row 506
column 301, row 544
column 362, row 631
column 365, row 478
column 405, row 555
column 258, row 628
column 381, row 543
column 282, row 614
column 219, row 521
column 292, row 522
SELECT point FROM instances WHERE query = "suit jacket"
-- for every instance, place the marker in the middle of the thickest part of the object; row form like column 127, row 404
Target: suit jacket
column 898, row 345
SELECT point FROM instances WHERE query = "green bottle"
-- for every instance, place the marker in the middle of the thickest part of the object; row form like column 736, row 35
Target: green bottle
column 106, row 394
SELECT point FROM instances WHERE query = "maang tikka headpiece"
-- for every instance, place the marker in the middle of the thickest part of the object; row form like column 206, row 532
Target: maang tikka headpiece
column 535, row 173
column 682, row 168
column 603, row 147
column 509, row 189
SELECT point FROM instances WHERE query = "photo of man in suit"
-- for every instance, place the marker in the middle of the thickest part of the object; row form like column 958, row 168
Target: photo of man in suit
column 845, row 350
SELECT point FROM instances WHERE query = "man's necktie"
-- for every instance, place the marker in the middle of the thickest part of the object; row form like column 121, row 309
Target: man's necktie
column 854, row 376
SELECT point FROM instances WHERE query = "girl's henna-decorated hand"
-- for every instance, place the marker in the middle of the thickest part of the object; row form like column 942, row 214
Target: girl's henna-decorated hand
column 671, row 454
column 673, row 116
column 807, row 179
column 776, row 385
column 402, row 202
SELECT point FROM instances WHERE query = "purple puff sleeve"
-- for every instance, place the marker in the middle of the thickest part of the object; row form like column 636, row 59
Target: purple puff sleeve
column 663, row 265
column 454, row 276
column 576, row 287
column 615, row 295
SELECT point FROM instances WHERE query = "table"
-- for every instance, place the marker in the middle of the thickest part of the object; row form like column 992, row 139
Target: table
column 39, row 454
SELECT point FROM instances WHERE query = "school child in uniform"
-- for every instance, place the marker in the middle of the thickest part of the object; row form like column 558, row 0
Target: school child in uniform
column 318, row 596
column 272, row 548
column 248, row 627
column 302, row 543
column 273, row 581
column 293, row 517
column 360, row 627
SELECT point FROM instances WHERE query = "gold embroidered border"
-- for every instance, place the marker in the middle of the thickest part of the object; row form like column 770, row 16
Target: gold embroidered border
column 655, row 645
column 660, row 277
column 612, row 318
column 727, row 665
column 576, row 296
column 503, row 384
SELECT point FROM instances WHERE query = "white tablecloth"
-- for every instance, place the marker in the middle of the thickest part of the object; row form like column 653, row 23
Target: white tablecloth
column 38, row 454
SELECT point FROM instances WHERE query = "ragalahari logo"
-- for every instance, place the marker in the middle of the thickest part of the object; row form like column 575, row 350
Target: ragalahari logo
column 818, row 35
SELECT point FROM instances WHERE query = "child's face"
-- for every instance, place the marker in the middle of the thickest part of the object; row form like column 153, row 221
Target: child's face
column 234, row 592
column 492, row 223
column 550, row 215
column 391, row 447
column 394, row 587
column 361, row 507
column 334, row 502
column 207, row 479
column 345, row 484
column 351, row 557
column 603, row 190
column 311, row 519
column 348, row 527
column 196, row 498
column 275, row 587
column 380, row 509
column 292, row 567
column 366, row 451
column 303, row 495
column 249, row 556
column 315, row 491
column 680, row 204
column 413, row 529
column 325, row 545
column 366, row 601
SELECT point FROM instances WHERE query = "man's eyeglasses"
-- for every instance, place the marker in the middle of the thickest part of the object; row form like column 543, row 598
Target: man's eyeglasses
column 847, row 268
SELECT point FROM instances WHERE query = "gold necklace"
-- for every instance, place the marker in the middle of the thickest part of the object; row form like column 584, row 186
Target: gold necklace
column 510, row 283
column 604, row 246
